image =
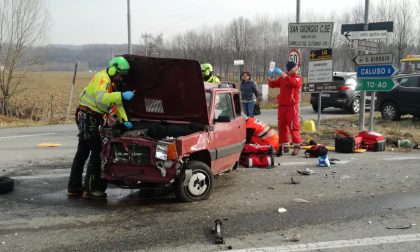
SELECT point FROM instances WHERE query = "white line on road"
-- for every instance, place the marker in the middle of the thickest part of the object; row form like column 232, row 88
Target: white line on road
column 43, row 176
column 43, row 134
column 337, row 244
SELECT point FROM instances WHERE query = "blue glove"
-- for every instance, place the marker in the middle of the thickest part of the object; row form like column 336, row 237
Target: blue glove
column 128, row 125
column 128, row 95
column 278, row 71
column 270, row 73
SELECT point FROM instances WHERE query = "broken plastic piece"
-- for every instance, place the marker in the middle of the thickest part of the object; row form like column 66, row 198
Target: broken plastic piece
column 218, row 231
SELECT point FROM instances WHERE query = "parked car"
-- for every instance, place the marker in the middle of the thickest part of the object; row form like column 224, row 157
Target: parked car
column 186, row 131
column 403, row 99
column 346, row 98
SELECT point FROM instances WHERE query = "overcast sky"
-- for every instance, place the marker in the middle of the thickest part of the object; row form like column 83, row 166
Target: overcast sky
column 105, row 21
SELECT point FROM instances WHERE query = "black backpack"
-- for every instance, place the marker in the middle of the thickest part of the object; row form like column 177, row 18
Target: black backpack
column 316, row 151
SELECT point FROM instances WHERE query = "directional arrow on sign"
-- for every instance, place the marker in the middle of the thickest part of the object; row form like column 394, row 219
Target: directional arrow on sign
column 369, row 71
column 379, row 84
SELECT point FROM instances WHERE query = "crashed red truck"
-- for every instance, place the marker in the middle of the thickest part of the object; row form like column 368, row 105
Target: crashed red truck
column 185, row 133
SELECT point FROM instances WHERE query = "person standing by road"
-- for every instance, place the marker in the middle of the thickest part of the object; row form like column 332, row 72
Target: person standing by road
column 95, row 101
column 249, row 94
column 288, row 103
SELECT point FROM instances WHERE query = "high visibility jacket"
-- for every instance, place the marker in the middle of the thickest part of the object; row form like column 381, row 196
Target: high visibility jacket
column 214, row 79
column 98, row 96
column 262, row 133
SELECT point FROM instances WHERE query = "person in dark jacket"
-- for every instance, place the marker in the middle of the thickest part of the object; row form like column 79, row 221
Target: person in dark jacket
column 249, row 94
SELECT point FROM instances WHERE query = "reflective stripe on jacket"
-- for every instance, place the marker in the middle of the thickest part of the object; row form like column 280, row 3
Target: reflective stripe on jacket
column 214, row 79
column 99, row 97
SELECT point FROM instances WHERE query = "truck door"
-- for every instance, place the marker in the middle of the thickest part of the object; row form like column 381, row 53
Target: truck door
column 229, row 132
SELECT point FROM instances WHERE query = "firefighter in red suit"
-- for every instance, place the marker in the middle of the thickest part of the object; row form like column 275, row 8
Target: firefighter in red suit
column 288, row 102
column 257, row 132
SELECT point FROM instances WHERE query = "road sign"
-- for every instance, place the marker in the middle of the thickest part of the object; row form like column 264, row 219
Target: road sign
column 378, row 84
column 238, row 62
column 364, row 45
column 366, row 34
column 320, row 71
column 319, row 87
column 371, row 59
column 388, row 26
column 375, row 71
column 313, row 35
column 294, row 56
column 322, row 54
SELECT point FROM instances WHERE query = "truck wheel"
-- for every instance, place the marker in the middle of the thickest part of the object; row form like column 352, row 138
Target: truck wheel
column 199, row 184
column 355, row 105
column 6, row 184
column 390, row 111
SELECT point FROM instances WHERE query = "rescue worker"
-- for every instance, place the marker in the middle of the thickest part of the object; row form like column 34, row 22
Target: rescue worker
column 208, row 75
column 257, row 132
column 95, row 101
column 288, row 102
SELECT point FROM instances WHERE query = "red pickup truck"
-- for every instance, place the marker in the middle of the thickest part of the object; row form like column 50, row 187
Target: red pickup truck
column 186, row 131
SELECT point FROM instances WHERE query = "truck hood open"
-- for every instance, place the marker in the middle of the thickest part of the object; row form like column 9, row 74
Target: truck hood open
column 166, row 89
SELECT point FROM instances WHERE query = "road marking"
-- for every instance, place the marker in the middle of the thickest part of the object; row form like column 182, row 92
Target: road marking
column 19, row 136
column 401, row 158
column 43, row 176
column 337, row 244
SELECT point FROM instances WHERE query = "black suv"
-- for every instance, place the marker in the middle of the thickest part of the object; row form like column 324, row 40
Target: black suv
column 346, row 98
column 403, row 99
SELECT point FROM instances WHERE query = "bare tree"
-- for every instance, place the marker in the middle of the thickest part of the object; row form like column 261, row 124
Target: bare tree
column 402, row 36
column 23, row 23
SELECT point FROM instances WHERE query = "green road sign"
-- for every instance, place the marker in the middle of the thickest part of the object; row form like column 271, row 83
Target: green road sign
column 376, row 84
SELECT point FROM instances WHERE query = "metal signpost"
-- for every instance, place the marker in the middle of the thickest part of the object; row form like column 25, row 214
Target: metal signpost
column 310, row 35
column 375, row 77
column 320, row 75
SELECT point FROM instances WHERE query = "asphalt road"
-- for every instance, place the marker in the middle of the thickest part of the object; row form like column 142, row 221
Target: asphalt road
column 360, row 197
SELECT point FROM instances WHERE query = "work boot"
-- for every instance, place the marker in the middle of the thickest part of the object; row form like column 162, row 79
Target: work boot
column 94, row 195
column 296, row 150
column 280, row 152
column 285, row 149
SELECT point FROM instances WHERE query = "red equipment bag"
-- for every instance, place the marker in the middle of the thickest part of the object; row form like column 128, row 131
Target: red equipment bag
column 262, row 161
column 258, row 149
column 372, row 141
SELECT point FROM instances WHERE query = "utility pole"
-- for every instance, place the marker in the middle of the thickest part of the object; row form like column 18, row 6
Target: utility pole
column 363, row 93
column 129, row 27
column 297, row 21
column 146, row 37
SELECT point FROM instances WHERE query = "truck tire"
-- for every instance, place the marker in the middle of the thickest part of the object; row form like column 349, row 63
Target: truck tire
column 199, row 184
column 6, row 184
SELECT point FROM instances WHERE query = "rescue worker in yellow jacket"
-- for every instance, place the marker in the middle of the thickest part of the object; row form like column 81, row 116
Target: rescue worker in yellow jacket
column 208, row 75
column 95, row 102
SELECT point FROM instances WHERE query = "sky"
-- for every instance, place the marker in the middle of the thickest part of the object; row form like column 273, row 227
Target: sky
column 78, row 22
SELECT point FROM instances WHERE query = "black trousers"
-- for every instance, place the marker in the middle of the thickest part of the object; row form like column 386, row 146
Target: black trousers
column 90, row 143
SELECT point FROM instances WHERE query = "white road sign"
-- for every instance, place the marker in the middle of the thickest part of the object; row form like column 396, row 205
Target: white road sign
column 366, row 34
column 238, row 62
column 372, row 59
column 364, row 45
column 320, row 71
column 311, row 35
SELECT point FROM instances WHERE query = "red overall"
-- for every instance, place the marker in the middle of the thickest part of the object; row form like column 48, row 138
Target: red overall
column 288, row 102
